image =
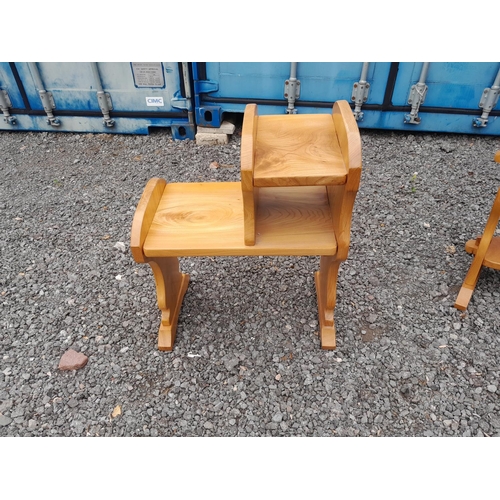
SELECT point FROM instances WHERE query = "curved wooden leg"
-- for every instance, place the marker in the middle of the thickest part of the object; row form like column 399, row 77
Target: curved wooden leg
column 171, row 285
column 472, row 275
column 326, row 291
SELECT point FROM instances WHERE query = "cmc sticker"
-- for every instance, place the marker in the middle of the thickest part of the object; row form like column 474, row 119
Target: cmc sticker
column 154, row 101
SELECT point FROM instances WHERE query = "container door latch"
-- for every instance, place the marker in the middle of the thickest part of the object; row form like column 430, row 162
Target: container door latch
column 488, row 101
column 5, row 104
column 417, row 96
column 45, row 97
column 360, row 91
column 292, row 90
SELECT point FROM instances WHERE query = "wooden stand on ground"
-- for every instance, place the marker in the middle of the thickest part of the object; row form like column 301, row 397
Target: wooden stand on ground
column 486, row 250
column 299, row 179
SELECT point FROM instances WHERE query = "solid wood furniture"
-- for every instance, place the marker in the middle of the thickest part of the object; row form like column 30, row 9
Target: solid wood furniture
column 299, row 179
column 486, row 249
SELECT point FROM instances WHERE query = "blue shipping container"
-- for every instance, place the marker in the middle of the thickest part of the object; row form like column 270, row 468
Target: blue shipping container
column 121, row 97
column 458, row 97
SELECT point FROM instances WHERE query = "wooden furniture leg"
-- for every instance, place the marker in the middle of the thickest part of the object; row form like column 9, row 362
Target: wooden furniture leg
column 326, row 291
column 341, row 200
column 171, row 285
column 472, row 276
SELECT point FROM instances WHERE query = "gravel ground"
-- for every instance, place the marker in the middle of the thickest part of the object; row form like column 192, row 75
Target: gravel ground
column 247, row 360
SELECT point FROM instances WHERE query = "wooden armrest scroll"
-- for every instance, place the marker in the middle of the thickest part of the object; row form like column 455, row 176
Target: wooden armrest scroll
column 342, row 197
column 144, row 215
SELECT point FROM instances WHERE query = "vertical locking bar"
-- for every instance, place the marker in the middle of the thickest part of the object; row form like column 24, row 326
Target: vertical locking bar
column 292, row 89
column 5, row 104
column 103, row 98
column 417, row 96
column 488, row 101
column 46, row 97
column 360, row 92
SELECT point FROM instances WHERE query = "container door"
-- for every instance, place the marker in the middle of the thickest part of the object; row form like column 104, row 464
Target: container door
column 228, row 87
column 103, row 97
column 454, row 91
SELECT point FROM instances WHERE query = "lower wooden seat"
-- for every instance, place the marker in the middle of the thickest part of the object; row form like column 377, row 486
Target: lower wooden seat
column 206, row 219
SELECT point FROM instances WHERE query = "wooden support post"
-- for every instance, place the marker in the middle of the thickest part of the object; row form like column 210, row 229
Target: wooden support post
column 171, row 285
column 326, row 291
column 249, row 192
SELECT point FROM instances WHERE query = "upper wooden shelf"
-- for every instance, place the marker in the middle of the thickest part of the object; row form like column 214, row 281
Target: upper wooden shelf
column 206, row 219
column 297, row 150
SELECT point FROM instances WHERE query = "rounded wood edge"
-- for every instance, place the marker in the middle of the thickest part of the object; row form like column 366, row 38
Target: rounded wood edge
column 144, row 213
column 348, row 134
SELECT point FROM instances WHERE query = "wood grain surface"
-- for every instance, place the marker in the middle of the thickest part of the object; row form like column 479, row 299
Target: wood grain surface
column 196, row 219
column 297, row 150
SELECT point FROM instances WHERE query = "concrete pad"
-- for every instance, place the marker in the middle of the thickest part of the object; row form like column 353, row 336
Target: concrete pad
column 211, row 139
column 225, row 128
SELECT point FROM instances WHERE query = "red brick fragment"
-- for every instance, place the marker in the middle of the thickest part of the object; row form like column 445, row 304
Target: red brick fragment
column 72, row 360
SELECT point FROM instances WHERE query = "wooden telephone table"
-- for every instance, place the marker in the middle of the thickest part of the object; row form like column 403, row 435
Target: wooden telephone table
column 299, row 179
column 487, row 253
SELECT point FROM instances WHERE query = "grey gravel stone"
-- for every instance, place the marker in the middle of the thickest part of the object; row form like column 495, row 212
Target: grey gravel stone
column 418, row 364
column 231, row 363
column 278, row 417
column 4, row 420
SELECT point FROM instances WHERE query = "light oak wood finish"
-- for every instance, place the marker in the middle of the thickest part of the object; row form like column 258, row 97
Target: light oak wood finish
column 297, row 150
column 492, row 255
column 171, row 284
column 486, row 250
column 341, row 200
column 248, row 135
column 206, row 219
column 300, row 203
column 144, row 215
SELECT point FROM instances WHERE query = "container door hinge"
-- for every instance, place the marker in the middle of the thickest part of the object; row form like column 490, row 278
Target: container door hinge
column 205, row 86
column 359, row 96
column 5, row 104
column 180, row 103
column 360, row 91
column 488, row 101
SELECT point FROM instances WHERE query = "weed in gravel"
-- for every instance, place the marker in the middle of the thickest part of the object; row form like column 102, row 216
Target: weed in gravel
column 413, row 181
